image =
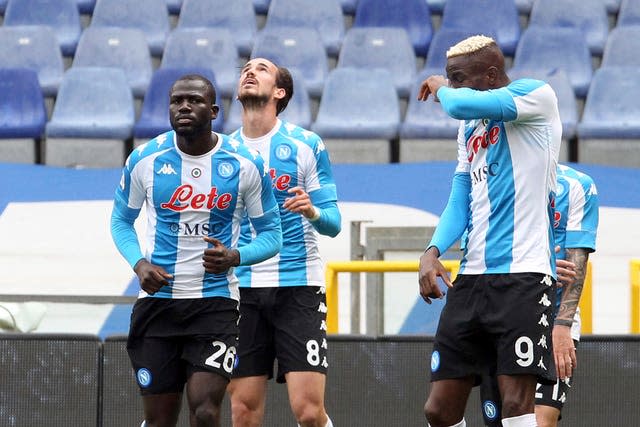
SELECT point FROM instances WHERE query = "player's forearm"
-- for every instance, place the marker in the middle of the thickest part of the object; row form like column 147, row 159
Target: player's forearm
column 125, row 238
column 329, row 223
column 573, row 291
column 268, row 240
column 455, row 217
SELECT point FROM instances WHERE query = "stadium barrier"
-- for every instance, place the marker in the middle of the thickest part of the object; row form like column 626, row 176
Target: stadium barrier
column 333, row 268
column 634, row 278
column 81, row 381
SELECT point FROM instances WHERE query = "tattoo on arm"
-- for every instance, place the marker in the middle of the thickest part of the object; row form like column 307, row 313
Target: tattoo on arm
column 572, row 292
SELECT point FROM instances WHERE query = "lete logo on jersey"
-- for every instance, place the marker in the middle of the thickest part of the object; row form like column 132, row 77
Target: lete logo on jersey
column 184, row 197
column 482, row 140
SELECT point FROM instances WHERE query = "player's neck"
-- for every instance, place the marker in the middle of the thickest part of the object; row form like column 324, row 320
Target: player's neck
column 258, row 122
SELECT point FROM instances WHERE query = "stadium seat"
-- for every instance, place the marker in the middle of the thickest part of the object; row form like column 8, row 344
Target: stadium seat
column 211, row 48
column 124, row 48
column 300, row 49
column 609, row 131
column 412, row 15
column 261, row 6
column 427, row 132
column 567, row 102
column 325, row 16
column 154, row 114
column 33, row 47
column 237, row 16
column 3, row 6
column 298, row 110
column 549, row 48
column 174, row 6
column 92, row 118
column 149, row 16
column 622, row 47
column 359, row 114
column 590, row 16
column 23, row 115
column 62, row 16
column 389, row 48
column 629, row 13
column 86, row 6
column 499, row 17
column 442, row 40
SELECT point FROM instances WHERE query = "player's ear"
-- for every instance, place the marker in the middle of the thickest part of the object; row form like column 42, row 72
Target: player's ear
column 214, row 111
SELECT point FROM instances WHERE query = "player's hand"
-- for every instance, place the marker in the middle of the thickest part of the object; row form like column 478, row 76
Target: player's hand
column 152, row 277
column 218, row 258
column 430, row 269
column 430, row 86
column 565, row 271
column 299, row 203
column 564, row 351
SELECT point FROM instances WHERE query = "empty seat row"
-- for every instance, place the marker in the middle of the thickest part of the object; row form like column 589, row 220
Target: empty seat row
column 361, row 109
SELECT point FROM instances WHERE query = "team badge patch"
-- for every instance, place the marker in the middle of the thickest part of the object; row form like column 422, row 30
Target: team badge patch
column 435, row 361
column 490, row 410
column 283, row 152
column 225, row 169
column 196, row 172
column 144, row 377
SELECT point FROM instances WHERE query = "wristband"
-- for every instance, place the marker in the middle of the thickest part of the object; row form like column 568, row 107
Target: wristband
column 563, row 322
column 316, row 214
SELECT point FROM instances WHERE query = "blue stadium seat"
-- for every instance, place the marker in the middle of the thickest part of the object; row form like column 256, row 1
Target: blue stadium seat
column 629, row 13
column 623, row 45
column 92, row 118
column 33, row 47
column 154, row 114
column 174, row 6
column 412, row 15
column 261, row 6
column 23, row 115
column 358, row 116
column 499, row 17
column 611, row 109
column 300, row 49
column 609, row 131
column 590, row 16
column 442, row 40
column 124, row 48
column 86, row 6
column 3, row 6
column 149, row 16
column 61, row 15
column 237, row 16
column 349, row 6
column 211, row 48
column 325, row 16
column 298, row 110
column 567, row 102
column 389, row 48
column 427, row 119
column 549, row 48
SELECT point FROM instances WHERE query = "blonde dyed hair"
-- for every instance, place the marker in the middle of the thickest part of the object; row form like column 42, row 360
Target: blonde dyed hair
column 470, row 45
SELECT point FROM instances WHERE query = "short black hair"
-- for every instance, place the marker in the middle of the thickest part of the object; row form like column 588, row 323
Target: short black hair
column 201, row 78
column 284, row 81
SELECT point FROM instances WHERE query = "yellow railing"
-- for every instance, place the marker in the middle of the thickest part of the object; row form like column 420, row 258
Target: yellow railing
column 333, row 268
column 634, row 273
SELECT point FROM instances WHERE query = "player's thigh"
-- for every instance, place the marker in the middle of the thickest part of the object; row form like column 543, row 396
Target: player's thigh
column 306, row 388
column 300, row 330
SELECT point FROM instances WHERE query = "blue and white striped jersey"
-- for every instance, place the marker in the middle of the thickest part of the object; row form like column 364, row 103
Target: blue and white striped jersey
column 294, row 157
column 187, row 198
column 576, row 218
column 508, row 146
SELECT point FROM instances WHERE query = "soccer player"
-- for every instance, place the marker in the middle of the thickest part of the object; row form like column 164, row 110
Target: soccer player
column 502, row 192
column 282, row 301
column 196, row 185
column 576, row 224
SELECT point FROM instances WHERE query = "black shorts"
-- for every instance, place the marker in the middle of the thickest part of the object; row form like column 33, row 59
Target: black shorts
column 501, row 320
column 554, row 395
column 169, row 339
column 287, row 324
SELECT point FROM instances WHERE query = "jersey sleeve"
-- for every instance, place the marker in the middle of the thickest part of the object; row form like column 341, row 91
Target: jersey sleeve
column 264, row 215
column 321, row 188
column 455, row 217
column 127, row 204
column 583, row 215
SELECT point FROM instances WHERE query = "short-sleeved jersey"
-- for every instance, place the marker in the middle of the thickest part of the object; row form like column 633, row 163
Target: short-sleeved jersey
column 187, row 198
column 511, row 158
column 576, row 212
column 294, row 157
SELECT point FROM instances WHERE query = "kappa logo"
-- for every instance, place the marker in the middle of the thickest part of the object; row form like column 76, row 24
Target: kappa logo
column 166, row 169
